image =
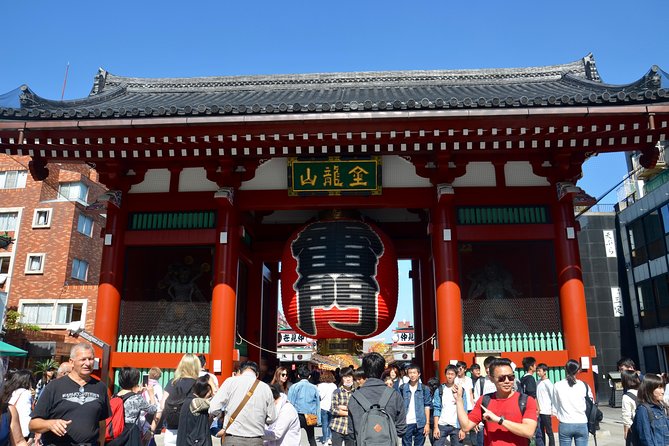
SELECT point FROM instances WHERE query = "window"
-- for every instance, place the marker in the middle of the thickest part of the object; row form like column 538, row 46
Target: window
column 13, row 179
column 654, row 234
column 79, row 269
column 35, row 263
column 4, row 264
column 76, row 191
column 42, row 218
column 85, row 225
column 52, row 313
column 8, row 221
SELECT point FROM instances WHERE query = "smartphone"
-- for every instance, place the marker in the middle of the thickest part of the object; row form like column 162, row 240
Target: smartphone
column 145, row 379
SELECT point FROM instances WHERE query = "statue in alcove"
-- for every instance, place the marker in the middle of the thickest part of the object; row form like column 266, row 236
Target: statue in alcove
column 494, row 284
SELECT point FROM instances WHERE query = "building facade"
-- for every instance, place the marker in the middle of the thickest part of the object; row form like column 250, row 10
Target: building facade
column 474, row 178
column 643, row 228
column 50, row 272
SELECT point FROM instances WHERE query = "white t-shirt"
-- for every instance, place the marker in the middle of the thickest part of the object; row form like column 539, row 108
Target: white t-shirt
column 449, row 413
column 325, row 390
column 488, row 387
column 466, row 383
column 22, row 400
column 545, row 397
column 411, row 410
column 628, row 408
column 569, row 402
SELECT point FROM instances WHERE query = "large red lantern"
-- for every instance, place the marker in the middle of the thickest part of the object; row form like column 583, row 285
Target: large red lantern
column 339, row 279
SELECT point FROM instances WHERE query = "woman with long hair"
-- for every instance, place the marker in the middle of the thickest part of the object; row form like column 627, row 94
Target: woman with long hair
column 194, row 416
column 134, row 404
column 19, row 386
column 10, row 426
column 174, row 394
column 281, row 378
column 651, row 425
column 569, row 402
column 631, row 383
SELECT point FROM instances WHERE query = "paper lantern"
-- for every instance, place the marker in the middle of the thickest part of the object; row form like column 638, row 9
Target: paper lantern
column 339, row 280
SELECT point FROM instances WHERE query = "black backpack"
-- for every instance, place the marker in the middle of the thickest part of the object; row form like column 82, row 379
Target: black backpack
column 593, row 413
column 173, row 404
column 522, row 405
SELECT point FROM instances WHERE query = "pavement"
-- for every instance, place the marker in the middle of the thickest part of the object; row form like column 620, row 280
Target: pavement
column 609, row 434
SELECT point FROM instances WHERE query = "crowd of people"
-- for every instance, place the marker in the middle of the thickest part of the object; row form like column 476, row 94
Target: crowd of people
column 489, row 405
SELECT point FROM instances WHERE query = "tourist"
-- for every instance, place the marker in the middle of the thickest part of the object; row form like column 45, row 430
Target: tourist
column 446, row 425
column 339, row 410
column 465, row 382
column 359, row 376
column 253, row 412
column 285, row 430
column 63, row 369
column 304, row 396
column 545, row 403
column 373, row 364
column 82, row 422
column 325, row 389
column 136, row 408
column 651, row 425
column 395, row 376
column 18, row 386
column 484, row 386
column 417, row 404
column 48, row 375
column 503, row 421
column 528, row 386
column 194, row 415
column 205, row 372
column 281, row 378
column 569, row 402
column 10, row 426
column 176, row 390
column 387, row 378
column 631, row 382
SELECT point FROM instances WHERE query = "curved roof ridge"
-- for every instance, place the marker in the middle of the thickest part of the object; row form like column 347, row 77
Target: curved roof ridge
column 583, row 68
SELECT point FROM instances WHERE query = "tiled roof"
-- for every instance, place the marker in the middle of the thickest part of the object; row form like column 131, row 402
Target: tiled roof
column 576, row 83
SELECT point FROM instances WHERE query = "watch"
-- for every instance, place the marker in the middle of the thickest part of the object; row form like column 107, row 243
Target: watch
column 501, row 420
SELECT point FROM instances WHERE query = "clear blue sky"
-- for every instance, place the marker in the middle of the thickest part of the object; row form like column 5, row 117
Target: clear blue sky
column 204, row 38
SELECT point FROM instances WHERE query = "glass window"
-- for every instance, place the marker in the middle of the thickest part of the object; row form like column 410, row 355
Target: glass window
column 41, row 314
column 664, row 210
column 647, row 311
column 85, row 225
column 42, row 218
column 13, row 179
column 79, row 269
column 68, row 312
column 77, row 191
column 637, row 243
column 8, row 221
column 4, row 264
column 654, row 234
column 35, row 264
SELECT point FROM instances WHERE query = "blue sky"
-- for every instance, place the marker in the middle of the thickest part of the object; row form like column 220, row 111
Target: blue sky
column 206, row 38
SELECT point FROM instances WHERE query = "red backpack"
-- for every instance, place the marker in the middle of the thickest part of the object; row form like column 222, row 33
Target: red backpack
column 115, row 424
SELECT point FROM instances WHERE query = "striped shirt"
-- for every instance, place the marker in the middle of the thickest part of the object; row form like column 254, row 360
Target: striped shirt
column 340, row 397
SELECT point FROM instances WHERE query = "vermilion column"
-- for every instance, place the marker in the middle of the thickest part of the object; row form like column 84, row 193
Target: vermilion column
column 447, row 288
column 428, row 315
column 111, row 278
column 572, row 293
column 224, row 295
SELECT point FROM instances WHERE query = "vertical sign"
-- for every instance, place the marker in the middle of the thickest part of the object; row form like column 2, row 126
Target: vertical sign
column 610, row 243
column 617, row 300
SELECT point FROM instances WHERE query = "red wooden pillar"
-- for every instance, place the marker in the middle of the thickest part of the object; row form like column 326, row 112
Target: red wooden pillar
column 447, row 287
column 428, row 316
column 418, row 312
column 111, row 278
column 254, row 315
column 224, row 296
column 571, row 291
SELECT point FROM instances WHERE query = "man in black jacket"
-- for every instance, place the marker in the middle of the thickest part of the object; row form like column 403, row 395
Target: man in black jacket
column 373, row 364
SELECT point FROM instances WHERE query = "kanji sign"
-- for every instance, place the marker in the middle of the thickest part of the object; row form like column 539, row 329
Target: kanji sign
column 334, row 176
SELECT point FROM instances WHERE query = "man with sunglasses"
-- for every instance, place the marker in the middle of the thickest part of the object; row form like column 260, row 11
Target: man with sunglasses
column 504, row 423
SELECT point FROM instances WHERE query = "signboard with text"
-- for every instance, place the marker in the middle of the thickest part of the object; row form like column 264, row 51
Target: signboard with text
column 334, row 176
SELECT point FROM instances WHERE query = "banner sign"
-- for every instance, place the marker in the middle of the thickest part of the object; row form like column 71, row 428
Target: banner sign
column 334, row 176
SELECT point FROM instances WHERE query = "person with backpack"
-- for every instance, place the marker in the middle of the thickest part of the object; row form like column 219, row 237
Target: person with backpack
column 194, row 415
column 376, row 413
column 445, row 412
column 175, row 394
column 134, row 404
column 569, row 400
column 651, row 423
column 417, row 404
column 508, row 417
column 631, row 382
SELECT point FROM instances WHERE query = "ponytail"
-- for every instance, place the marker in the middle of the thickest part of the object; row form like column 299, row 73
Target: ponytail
column 572, row 367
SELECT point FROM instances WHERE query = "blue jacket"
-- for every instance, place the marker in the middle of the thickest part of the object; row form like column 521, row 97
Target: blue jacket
column 305, row 397
column 651, row 431
column 421, row 401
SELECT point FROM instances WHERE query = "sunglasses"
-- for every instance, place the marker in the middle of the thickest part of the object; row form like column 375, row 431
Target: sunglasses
column 503, row 378
column 284, row 374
